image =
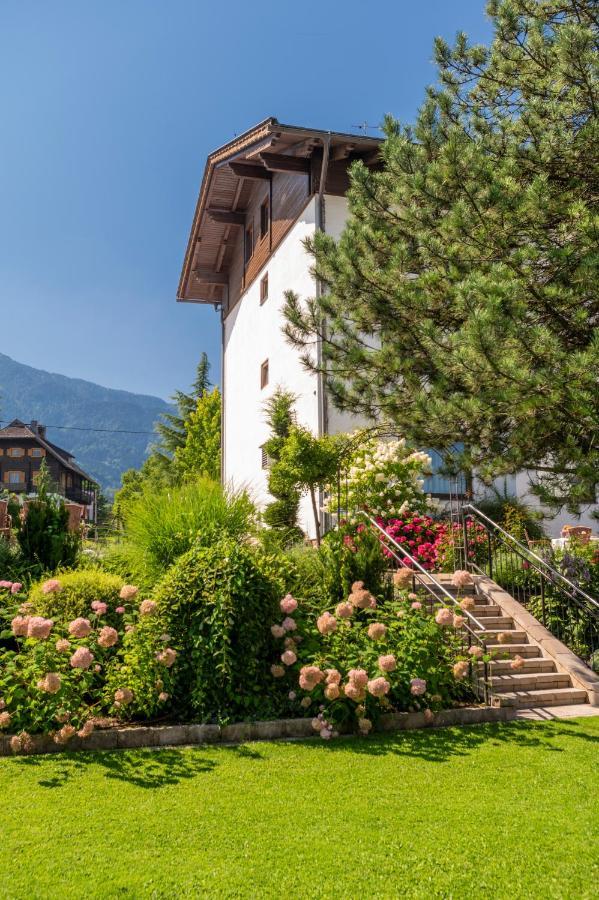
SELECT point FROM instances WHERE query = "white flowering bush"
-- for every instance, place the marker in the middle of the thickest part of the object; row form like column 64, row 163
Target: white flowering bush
column 384, row 478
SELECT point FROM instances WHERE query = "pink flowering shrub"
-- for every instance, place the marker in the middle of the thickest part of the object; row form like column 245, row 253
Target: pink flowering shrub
column 417, row 534
column 377, row 657
column 57, row 674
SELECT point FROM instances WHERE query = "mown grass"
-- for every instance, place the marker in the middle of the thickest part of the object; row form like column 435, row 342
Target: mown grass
column 487, row 811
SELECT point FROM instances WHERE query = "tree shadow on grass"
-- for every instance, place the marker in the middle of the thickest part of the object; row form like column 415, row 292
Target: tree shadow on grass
column 147, row 768
column 443, row 744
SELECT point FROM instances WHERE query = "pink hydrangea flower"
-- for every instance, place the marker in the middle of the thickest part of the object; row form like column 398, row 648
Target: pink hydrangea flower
column 309, row 677
column 504, row 637
column 376, row 631
column 359, row 677
column 416, row 605
column 6, row 584
column 458, row 621
column 461, row 578
column 62, row 645
column 5, row 719
column 16, row 587
column 86, row 730
column 326, row 734
column 288, row 657
column 467, row 603
column 38, row 627
column 82, row 658
column 122, row 696
column 50, row 683
column 364, row 725
column 167, row 657
column 460, row 669
column 403, row 577
column 332, row 676
column 289, row 624
column 277, row 671
column 289, row 643
column 163, row 696
column 417, row 687
column 361, row 599
column 444, row 616
column 517, row 662
column 19, row 626
column 326, row 623
column 51, row 586
column 332, row 691
column 305, row 702
column 387, row 663
column 344, row 610
column 108, row 636
column 80, row 627
column 128, row 592
column 277, row 631
column 99, row 607
column 476, row 651
column 378, row 687
column 97, row 668
column 353, row 692
column 428, row 716
column 292, row 695
column 65, row 734
column 147, row 607
column 120, row 610
column 288, row 605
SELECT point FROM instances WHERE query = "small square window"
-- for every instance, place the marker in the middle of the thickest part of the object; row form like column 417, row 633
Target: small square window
column 264, row 218
column 264, row 374
column 15, row 477
column 15, row 452
column 264, row 289
column 37, row 452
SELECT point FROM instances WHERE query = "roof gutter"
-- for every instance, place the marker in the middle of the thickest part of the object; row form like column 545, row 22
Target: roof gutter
column 321, row 226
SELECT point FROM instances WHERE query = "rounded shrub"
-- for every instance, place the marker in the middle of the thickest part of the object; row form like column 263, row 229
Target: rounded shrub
column 214, row 607
column 76, row 592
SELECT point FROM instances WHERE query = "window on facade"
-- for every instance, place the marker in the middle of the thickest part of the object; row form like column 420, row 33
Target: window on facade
column 249, row 243
column 14, row 477
column 37, row 452
column 264, row 374
column 264, row 289
column 15, row 452
column 264, row 218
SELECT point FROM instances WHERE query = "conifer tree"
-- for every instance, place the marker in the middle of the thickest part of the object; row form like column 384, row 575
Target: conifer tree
column 461, row 301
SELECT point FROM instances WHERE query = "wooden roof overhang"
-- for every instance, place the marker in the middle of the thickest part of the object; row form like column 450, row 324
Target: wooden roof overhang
column 229, row 177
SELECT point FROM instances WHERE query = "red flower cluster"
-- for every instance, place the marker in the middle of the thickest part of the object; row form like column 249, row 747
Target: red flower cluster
column 417, row 534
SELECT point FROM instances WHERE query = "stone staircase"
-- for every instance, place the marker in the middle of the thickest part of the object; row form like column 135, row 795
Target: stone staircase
column 536, row 681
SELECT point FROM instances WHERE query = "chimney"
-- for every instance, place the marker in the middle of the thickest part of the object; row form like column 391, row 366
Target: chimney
column 37, row 428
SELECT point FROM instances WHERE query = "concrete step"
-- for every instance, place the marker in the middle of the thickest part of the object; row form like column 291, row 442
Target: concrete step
column 512, row 636
column 551, row 697
column 503, row 651
column 528, row 681
column 482, row 610
column 501, row 623
column 533, row 664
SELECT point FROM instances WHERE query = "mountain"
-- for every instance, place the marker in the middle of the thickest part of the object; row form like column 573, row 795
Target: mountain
column 27, row 393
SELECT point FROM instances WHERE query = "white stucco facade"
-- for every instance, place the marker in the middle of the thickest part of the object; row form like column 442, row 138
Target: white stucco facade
column 253, row 335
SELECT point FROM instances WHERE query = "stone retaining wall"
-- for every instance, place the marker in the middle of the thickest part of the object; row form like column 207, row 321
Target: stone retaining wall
column 128, row 738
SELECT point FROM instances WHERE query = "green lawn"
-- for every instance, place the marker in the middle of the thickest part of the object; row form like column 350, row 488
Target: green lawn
column 487, row 811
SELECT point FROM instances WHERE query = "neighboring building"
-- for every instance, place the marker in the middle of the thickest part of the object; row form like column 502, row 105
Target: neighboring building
column 261, row 196
column 22, row 449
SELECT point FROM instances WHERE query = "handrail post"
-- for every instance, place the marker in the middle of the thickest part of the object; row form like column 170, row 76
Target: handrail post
column 490, row 550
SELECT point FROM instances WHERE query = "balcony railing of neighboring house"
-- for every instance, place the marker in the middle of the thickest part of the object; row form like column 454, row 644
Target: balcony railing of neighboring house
column 83, row 496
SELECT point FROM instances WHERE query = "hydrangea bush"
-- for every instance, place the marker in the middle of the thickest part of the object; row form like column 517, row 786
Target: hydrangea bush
column 362, row 658
column 57, row 675
column 384, row 478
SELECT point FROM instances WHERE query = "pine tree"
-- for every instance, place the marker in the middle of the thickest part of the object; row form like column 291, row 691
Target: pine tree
column 461, row 301
column 281, row 514
column 173, row 430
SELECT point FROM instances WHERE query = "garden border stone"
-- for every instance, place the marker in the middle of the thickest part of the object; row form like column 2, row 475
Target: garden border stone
column 129, row 738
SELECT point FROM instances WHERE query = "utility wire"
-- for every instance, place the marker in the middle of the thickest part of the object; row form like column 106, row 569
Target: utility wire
column 81, row 428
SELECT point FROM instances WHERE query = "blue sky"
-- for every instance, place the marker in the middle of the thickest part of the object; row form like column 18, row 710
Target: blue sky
column 109, row 108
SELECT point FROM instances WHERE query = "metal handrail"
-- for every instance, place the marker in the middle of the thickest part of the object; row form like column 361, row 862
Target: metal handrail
column 526, row 553
column 423, row 571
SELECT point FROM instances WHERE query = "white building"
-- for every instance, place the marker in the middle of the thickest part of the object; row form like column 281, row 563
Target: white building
column 262, row 194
